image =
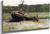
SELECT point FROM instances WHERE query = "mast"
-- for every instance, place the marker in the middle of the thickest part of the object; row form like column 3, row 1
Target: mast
column 21, row 5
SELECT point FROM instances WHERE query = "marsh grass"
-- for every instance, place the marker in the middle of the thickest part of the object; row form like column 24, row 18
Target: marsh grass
column 30, row 27
column 40, row 14
column 7, row 16
column 8, row 27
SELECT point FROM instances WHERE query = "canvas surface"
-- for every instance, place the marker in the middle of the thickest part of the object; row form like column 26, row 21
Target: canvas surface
column 24, row 15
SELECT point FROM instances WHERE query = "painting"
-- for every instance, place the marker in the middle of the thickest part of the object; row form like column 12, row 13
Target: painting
column 24, row 15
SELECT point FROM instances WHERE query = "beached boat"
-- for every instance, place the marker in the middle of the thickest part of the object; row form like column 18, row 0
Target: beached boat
column 17, row 16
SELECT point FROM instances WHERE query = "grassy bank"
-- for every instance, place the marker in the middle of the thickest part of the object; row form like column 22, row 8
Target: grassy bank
column 40, row 14
column 7, row 16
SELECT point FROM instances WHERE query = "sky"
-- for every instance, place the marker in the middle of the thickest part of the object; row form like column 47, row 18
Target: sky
column 29, row 2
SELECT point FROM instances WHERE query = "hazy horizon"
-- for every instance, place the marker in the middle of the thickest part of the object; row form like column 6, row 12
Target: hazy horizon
column 28, row 2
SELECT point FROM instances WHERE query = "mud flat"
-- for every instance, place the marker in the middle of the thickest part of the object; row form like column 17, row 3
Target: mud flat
column 24, row 25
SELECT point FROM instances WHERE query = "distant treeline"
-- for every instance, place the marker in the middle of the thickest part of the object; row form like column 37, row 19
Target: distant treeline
column 27, row 8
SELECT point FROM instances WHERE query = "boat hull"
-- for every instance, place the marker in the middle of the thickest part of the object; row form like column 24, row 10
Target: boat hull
column 17, row 17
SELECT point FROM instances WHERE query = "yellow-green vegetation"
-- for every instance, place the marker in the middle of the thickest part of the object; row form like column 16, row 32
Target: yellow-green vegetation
column 30, row 27
column 7, row 16
column 34, row 25
column 40, row 14
column 39, row 21
column 24, row 25
column 8, row 27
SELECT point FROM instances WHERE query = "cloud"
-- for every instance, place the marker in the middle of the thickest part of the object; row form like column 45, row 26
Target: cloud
column 29, row 2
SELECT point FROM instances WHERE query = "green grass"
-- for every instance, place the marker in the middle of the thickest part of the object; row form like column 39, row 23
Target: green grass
column 30, row 27
column 40, row 14
column 6, row 27
column 7, row 16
